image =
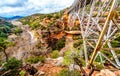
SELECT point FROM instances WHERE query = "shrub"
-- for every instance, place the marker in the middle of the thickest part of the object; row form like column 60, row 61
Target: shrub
column 98, row 65
column 108, row 54
column 67, row 58
column 34, row 26
column 76, row 44
column 55, row 54
column 1, row 62
column 115, row 43
column 98, row 57
column 9, row 44
column 2, row 34
column 58, row 15
column 12, row 64
column 17, row 30
column 66, row 72
column 49, row 16
column 22, row 73
column 5, row 28
column 56, row 44
column 36, row 59
column 60, row 44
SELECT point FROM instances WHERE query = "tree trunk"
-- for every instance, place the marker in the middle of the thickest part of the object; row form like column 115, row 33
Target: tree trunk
column 5, row 54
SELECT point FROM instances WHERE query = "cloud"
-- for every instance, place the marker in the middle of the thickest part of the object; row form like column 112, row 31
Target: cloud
column 28, row 7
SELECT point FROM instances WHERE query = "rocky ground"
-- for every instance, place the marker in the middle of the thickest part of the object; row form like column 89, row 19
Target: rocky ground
column 24, row 42
column 53, row 66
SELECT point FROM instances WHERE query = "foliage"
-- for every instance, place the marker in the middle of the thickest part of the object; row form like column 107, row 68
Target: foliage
column 76, row 44
column 67, row 60
column 4, row 35
column 55, row 54
column 1, row 62
column 76, row 37
column 82, row 61
column 2, row 41
column 60, row 44
column 116, row 41
column 5, row 27
column 9, row 44
column 5, row 30
column 35, row 24
column 70, row 54
column 98, row 65
column 22, row 73
column 58, row 15
column 34, row 20
column 49, row 16
column 57, row 44
column 13, row 65
column 117, row 37
column 98, row 57
column 68, row 57
column 5, row 43
column 66, row 72
column 36, row 59
column 17, row 30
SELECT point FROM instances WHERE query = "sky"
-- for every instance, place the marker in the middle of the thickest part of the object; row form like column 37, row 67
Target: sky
column 10, row 8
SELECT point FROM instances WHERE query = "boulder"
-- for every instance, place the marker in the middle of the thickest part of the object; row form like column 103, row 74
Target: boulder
column 105, row 72
column 58, row 61
column 74, row 67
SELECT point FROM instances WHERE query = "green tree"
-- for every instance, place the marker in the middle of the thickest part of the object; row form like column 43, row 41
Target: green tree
column 12, row 66
column 55, row 54
column 4, row 43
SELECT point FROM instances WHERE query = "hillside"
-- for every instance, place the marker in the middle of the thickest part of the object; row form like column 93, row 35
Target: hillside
column 57, row 38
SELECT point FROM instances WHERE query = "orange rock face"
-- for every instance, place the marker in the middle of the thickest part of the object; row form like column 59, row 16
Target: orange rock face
column 69, row 21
